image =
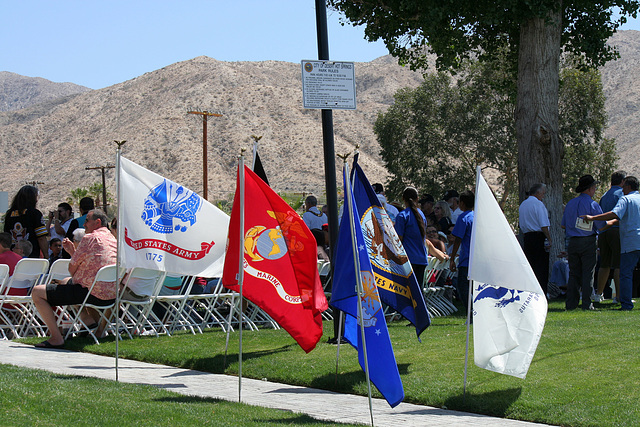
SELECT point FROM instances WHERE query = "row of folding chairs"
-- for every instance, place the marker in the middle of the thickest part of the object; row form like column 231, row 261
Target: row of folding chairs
column 435, row 295
column 17, row 313
column 151, row 303
column 324, row 270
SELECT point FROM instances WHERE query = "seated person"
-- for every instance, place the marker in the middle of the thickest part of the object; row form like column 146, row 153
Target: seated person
column 432, row 236
column 320, row 243
column 23, row 248
column 77, row 236
column 97, row 249
column 7, row 256
column 55, row 246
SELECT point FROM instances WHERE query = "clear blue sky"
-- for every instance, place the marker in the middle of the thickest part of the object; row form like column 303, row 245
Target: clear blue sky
column 101, row 43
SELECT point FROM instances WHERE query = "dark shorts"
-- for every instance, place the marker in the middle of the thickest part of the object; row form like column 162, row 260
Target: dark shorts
column 71, row 294
column 609, row 244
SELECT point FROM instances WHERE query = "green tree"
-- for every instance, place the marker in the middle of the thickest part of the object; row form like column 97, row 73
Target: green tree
column 535, row 31
column 434, row 136
column 76, row 195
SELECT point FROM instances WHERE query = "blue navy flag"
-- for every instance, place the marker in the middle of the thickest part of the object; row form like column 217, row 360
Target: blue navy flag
column 383, row 370
column 392, row 270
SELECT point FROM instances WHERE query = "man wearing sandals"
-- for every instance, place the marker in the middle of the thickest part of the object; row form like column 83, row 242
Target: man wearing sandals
column 97, row 249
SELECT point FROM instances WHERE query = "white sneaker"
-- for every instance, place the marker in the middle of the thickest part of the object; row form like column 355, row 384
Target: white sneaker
column 597, row 298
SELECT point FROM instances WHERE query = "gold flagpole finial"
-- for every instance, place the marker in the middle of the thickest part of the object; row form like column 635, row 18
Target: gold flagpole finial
column 344, row 157
column 119, row 143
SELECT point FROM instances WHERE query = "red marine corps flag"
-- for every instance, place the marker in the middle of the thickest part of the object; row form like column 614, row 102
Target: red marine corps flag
column 280, row 261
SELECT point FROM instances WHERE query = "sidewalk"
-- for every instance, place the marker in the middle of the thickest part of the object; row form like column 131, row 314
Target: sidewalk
column 320, row 404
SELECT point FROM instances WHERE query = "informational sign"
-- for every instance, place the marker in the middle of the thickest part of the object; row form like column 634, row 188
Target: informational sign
column 328, row 85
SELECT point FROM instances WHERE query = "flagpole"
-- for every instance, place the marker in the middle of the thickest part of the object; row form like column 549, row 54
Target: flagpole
column 466, row 355
column 360, row 287
column 466, row 352
column 241, row 265
column 339, row 339
column 118, row 248
column 255, row 150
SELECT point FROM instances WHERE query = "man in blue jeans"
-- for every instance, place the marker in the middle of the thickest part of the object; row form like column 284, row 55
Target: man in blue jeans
column 627, row 213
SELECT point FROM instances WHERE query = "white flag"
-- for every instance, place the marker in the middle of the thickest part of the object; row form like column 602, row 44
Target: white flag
column 168, row 227
column 509, row 306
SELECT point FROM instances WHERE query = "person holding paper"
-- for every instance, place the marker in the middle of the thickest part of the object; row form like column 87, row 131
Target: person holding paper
column 582, row 245
column 627, row 212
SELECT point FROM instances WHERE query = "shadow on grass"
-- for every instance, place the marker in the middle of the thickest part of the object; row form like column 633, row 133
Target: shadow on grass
column 187, row 399
column 219, row 363
column 299, row 420
column 494, row 403
column 347, row 382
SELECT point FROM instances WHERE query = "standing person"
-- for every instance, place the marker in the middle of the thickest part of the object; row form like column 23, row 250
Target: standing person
column 411, row 228
column 581, row 250
column 391, row 210
column 609, row 240
column 452, row 198
column 462, row 234
column 24, row 222
column 59, row 221
column 627, row 212
column 534, row 224
column 312, row 215
column 58, row 224
column 86, row 204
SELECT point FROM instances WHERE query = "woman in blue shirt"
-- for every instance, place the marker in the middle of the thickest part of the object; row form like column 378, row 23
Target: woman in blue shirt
column 411, row 228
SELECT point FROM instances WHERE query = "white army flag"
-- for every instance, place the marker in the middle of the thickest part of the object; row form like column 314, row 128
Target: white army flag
column 167, row 227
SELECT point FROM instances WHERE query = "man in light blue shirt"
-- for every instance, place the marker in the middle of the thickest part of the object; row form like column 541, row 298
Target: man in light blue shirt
column 582, row 247
column 609, row 240
column 627, row 212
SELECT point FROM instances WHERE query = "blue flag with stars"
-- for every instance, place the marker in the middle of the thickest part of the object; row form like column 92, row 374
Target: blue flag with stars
column 397, row 285
column 383, row 370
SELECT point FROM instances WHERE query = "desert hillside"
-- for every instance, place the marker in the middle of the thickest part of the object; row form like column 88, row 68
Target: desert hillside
column 50, row 132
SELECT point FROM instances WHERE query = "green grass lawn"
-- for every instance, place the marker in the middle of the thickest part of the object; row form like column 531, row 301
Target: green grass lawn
column 33, row 397
column 585, row 371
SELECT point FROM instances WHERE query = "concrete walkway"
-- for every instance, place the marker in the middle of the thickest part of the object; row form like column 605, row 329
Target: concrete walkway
column 320, row 404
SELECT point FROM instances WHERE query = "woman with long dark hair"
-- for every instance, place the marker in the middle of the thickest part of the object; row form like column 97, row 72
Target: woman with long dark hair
column 411, row 228
column 24, row 221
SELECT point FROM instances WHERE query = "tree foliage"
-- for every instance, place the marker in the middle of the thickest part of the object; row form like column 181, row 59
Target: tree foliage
column 435, row 135
column 457, row 30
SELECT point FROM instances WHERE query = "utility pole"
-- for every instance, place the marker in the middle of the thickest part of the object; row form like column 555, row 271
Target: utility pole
column 205, row 115
column 104, row 184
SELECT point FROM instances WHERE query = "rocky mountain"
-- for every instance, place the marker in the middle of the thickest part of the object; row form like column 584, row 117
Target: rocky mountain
column 55, row 140
column 17, row 92
column 55, row 143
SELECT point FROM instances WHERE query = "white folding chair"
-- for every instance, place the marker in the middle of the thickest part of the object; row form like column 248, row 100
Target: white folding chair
column 59, row 270
column 208, row 308
column 137, row 295
column 174, row 316
column 108, row 274
column 4, row 276
column 16, row 305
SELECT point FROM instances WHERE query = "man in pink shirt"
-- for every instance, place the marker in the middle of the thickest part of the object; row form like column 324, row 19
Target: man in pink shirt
column 97, row 249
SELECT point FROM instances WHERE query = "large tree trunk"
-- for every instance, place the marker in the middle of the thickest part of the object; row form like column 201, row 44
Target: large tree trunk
column 540, row 149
